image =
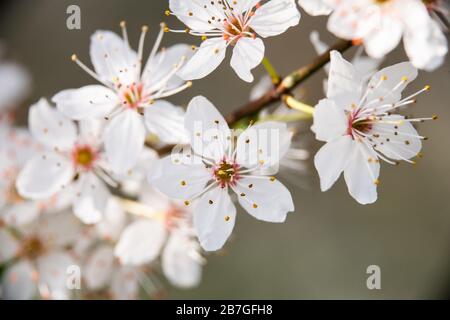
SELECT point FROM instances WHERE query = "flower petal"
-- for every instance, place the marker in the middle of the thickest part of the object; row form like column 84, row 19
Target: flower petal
column 214, row 218
column 125, row 284
column 332, row 159
column 21, row 214
column 205, row 60
column 195, row 14
column 166, row 121
column 263, row 145
column 386, row 80
column 50, row 127
column 113, row 59
column 156, row 71
column 113, row 222
column 87, row 102
column 124, row 141
column 179, row 180
column 265, row 198
column 247, row 54
column 361, row 174
column 330, row 121
column 99, row 267
column 15, row 82
column 92, row 198
column 344, row 83
column 61, row 229
column 384, row 38
column 316, row 7
column 178, row 265
column 209, row 132
column 18, row 283
column 44, row 175
column 426, row 48
column 52, row 268
column 275, row 17
column 141, row 242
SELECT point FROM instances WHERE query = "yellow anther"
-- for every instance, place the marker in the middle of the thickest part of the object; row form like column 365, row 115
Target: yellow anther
column 384, row 78
column 377, row 182
column 427, row 88
column 74, row 57
column 167, row 12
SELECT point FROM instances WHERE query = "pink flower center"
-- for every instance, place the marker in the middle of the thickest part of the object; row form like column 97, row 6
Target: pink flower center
column 132, row 96
column 357, row 125
column 84, row 156
column 226, row 173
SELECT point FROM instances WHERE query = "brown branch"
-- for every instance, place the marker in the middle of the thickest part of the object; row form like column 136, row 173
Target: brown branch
column 290, row 82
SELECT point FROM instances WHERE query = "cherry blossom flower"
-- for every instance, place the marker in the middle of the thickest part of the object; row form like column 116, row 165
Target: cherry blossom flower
column 71, row 158
column 165, row 232
column 17, row 148
column 359, row 127
column 218, row 164
column 382, row 24
column 130, row 96
column 231, row 23
column 38, row 257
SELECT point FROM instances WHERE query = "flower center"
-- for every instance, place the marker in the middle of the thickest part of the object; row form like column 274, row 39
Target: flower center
column 226, row 173
column 13, row 196
column 235, row 29
column 32, row 248
column 381, row 1
column 132, row 96
column 357, row 125
column 84, row 156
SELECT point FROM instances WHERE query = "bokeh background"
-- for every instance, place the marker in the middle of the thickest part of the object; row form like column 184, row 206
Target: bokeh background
column 324, row 248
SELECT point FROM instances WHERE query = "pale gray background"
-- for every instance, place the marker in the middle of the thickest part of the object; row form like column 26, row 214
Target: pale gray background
column 326, row 245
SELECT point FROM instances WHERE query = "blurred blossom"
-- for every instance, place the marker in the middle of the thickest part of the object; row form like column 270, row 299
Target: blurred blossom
column 380, row 25
column 38, row 256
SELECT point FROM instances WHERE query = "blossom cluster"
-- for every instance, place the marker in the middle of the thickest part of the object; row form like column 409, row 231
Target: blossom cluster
column 88, row 183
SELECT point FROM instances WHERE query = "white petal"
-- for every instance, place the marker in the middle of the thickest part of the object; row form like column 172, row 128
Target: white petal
column 17, row 283
column 386, row 80
column 209, row 132
column 205, row 60
column 155, row 73
column 355, row 20
column 124, row 141
column 426, row 48
column 21, row 214
column 275, row 17
column 141, row 242
column 384, row 38
column 60, row 229
column 99, row 267
column 166, row 121
column 50, row 127
column 91, row 199
column 52, row 269
column 178, row 265
column 9, row 246
column 247, row 54
column 315, row 7
column 400, row 146
column 113, row 222
column 361, row 174
column 178, row 180
column 264, row 198
column 87, row 102
column 194, row 14
column 263, row 144
column 330, row 121
column 214, row 218
column 113, row 58
column 344, row 84
column 44, row 175
column 332, row 159
column 244, row 5
column 124, row 284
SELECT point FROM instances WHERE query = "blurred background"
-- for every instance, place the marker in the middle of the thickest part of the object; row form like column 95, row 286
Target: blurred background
column 325, row 247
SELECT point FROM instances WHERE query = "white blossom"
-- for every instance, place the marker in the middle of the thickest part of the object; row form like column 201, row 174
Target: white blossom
column 359, row 127
column 218, row 164
column 380, row 25
column 232, row 23
column 71, row 158
column 129, row 97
